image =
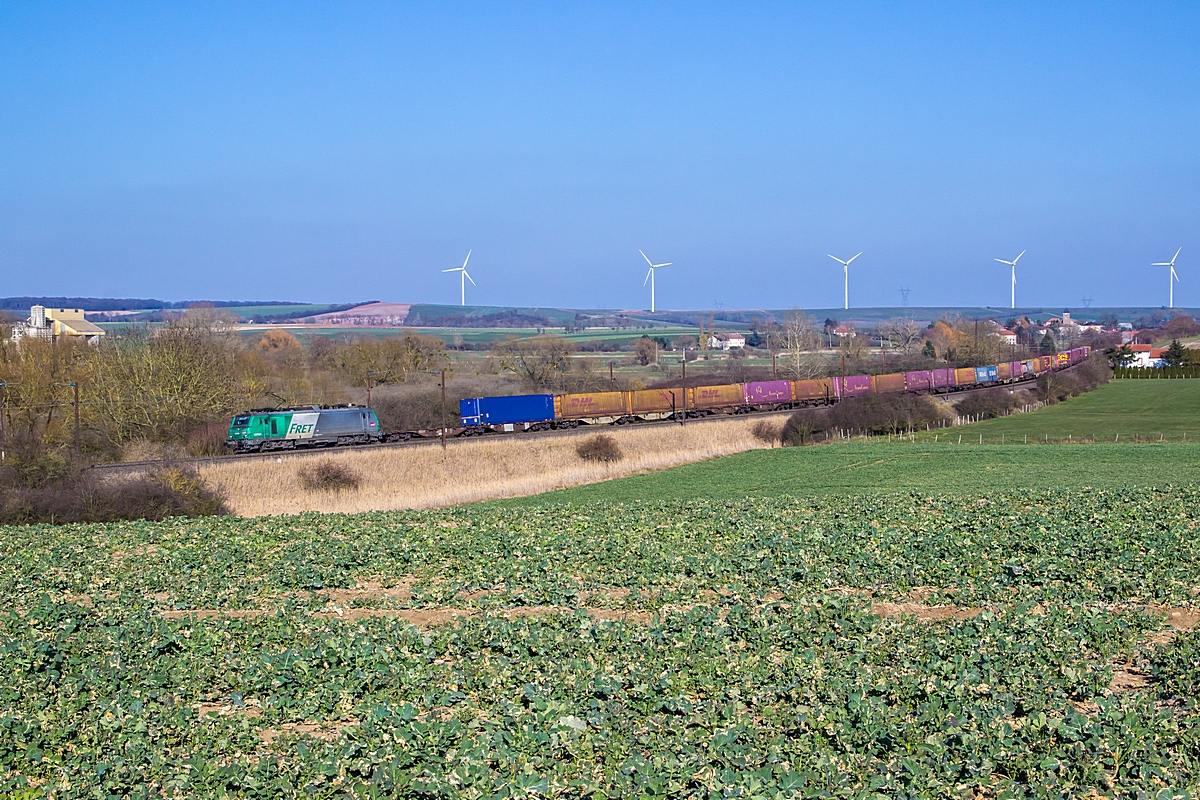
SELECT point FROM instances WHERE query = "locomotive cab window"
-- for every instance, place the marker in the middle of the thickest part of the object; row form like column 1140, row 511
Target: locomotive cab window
column 241, row 422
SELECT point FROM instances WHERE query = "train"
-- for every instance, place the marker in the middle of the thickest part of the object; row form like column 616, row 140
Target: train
column 330, row 426
column 536, row 412
column 303, row 426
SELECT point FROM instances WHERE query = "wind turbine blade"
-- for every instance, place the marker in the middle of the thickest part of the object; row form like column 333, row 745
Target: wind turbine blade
column 1018, row 258
column 456, row 269
column 1177, row 252
column 656, row 266
column 648, row 274
column 468, row 258
column 472, row 280
column 1002, row 261
column 648, row 261
column 1174, row 275
column 852, row 258
column 1162, row 264
column 835, row 258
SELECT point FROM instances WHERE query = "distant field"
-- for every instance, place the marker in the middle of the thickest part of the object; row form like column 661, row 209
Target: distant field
column 1121, row 408
column 882, row 468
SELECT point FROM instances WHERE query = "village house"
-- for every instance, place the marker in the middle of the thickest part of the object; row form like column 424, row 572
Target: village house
column 1145, row 355
column 725, row 341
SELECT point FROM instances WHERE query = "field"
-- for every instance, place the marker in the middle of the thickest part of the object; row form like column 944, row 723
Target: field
column 1033, row 643
column 1123, row 408
column 471, row 469
column 847, row 620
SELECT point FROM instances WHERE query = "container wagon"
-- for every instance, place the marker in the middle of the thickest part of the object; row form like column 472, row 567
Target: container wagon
column 768, row 395
column 526, row 412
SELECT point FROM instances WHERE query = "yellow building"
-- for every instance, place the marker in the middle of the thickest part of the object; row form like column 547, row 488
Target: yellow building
column 50, row 323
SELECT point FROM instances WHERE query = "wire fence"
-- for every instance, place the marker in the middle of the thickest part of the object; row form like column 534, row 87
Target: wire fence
column 1157, row 373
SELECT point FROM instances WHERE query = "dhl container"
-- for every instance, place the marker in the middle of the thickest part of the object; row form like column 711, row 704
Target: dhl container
column 653, row 401
column 941, row 378
column 918, row 379
column 892, row 382
column 726, row 396
column 853, row 385
column 767, row 392
column 590, row 404
column 965, row 376
column 1003, row 371
column 819, row 389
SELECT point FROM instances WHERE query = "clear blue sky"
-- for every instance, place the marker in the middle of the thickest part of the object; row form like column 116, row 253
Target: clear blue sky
column 346, row 151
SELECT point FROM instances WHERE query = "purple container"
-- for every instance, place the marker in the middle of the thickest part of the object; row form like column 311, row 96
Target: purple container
column 921, row 379
column 940, row 378
column 767, row 392
column 1016, row 369
column 853, row 385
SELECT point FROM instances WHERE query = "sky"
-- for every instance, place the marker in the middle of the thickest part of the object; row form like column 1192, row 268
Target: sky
column 346, row 151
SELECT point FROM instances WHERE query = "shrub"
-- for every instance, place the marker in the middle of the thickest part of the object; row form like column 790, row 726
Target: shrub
column 987, row 404
column 884, row 413
column 329, row 476
column 207, row 440
column 88, row 497
column 801, row 426
column 600, row 447
column 766, row 431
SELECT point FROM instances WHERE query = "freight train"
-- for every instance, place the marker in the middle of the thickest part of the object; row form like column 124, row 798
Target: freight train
column 324, row 426
column 535, row 412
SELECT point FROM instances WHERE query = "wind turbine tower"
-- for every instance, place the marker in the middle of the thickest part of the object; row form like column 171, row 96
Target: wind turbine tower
column 465, row 277
column 846, row 268
column 650, row 277
column 1013, row 264
column 1171, row 276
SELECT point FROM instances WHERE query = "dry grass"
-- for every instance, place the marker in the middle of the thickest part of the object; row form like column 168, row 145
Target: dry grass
column 471, row 469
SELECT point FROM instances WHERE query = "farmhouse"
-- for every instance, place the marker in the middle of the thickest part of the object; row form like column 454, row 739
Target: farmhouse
column 726, row 341
column 1146, row 356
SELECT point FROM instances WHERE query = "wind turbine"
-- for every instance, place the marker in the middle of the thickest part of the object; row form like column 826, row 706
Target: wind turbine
column 1012, row 264
column 1172, row 277
column 465, row 276
column 650, row 277
column 846, row 266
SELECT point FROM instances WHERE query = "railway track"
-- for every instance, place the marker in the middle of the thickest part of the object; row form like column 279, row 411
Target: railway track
column 435, row 441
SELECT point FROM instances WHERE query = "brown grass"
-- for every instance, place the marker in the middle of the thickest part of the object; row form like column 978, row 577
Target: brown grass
column 471, row 469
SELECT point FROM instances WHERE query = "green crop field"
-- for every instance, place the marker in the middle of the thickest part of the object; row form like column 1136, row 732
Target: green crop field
column 1011, row 644
column 1122, row 408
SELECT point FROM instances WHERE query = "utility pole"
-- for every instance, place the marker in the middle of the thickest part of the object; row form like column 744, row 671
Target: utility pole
column 683, row 420
column 774, row 368
column 369, row 374
column 76, row 386
column 976, row 354
column 443, row 376
column 612, row 384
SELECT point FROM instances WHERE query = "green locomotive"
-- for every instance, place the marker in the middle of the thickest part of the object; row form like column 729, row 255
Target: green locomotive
column 304, row 426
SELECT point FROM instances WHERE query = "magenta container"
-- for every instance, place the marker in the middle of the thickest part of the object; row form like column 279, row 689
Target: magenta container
column 941, row 378
column 921, row 379
column 767, row 392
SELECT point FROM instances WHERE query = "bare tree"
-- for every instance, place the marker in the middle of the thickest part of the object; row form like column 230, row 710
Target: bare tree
column 800, row 342
column 903, row 332
column 542, row 361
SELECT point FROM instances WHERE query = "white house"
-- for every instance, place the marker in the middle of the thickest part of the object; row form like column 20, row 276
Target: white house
column 1007, row 336
column 725, row 341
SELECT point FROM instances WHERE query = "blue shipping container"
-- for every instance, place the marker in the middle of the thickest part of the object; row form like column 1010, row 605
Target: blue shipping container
column 985, row 374
column 507, row 410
